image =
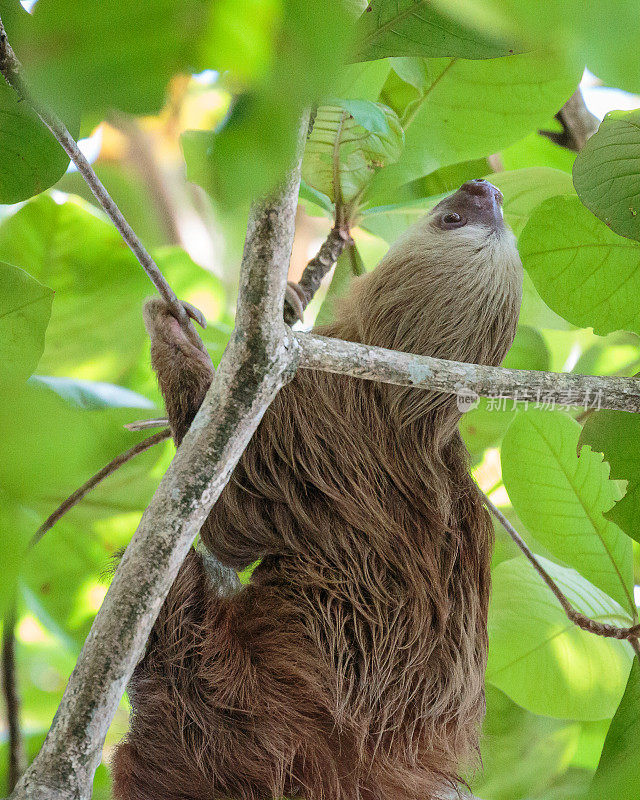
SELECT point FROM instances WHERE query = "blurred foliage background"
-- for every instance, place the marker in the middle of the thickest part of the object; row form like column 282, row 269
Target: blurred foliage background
column 188, row 109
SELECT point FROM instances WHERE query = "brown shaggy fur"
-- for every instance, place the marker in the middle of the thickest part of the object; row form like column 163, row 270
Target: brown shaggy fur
column 351, row 668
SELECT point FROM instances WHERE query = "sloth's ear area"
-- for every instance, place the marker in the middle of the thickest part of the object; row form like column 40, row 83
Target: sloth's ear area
column 184, row 370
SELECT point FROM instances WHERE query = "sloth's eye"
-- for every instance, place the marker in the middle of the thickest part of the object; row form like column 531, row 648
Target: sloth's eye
column 453, row 220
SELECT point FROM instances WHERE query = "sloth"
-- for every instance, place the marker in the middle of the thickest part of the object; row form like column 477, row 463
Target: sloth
column 351, row 666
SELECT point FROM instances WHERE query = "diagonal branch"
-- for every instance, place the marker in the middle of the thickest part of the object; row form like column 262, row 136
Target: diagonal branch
column 11, row 69
column 260, row 358
column 467, row 381
column 107, row 470
column 631, row 634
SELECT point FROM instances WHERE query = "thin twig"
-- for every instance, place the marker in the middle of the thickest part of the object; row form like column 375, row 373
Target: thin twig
column 145, row 424
column 11, row 68
column 17, row 755
column 299, row 295
column 107, row 470
column 468, row 381
column 631, row 634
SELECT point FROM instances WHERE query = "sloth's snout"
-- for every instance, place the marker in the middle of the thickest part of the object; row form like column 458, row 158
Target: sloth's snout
column 482, row 189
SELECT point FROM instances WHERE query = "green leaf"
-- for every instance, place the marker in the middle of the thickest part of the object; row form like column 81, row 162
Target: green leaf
column 256, row 144
column 616, row 434
column 362, row 81
column 389, row 221
column 617, row 776
column 562, row 497
column 485, row 425
column 521, row 752
column 603, row 34
column 606, row 173
column 524, row 189
column 32, row 160
column 239, row 36
column 39, row 432
column 543, row 661
column 416, row 28
column 536, row 150
column 582, row 270
column 25, row 308
column 466, row 109
column 140, row 47
column 96, row 329
column 347, row 145
column 15, row 526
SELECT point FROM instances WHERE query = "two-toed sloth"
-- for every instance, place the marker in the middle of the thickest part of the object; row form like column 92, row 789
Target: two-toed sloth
column 352, row 665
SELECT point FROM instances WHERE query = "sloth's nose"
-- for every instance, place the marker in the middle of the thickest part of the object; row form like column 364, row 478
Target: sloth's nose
column 481, row 188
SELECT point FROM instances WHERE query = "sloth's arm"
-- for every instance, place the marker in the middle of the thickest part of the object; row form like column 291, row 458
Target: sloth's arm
column 184, row 370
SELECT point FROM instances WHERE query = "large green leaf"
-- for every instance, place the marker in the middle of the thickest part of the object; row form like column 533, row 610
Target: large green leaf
column 582, row 270
column 348, row 143
column 618, row 776
column 524, row 189
column 522, row 753
column 96, row 329
column 606, row 173
column 603, row 34
column 561, row 497
column 416, row 28
column 32, row 160
column 617, row 435
column 486, row 424
column 89, row 57
column 25, row 308
column 257, row 142
column 466, row 109
column 47, row 449
column 542, row 660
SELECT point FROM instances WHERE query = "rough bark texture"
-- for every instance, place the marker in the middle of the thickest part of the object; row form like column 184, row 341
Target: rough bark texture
column 260, row 358
column 468, row 381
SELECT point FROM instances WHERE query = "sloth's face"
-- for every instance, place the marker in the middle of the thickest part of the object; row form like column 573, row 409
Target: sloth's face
column 476, row 202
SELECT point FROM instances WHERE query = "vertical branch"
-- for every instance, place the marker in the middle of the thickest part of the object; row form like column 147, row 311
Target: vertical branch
column 17, row 755
column 260, row 358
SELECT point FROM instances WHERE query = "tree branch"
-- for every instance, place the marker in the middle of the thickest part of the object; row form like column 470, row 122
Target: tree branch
column 468, row 381
column 631, row 633
column 17, row 755
column 260, row 358
column 107, row 470
column 578, row 124
column 11, row 69
column 299, row 295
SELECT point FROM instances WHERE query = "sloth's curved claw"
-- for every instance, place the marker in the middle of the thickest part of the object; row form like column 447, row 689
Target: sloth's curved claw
column 294, row 303
column 195, row 314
